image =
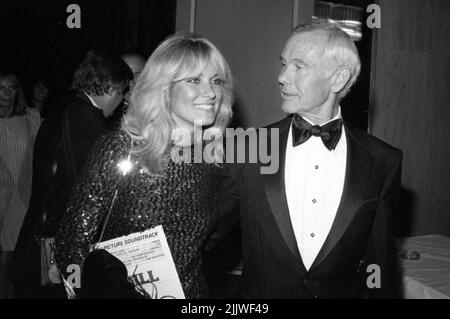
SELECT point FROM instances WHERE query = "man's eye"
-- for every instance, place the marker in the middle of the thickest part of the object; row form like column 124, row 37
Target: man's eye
column 194, row 80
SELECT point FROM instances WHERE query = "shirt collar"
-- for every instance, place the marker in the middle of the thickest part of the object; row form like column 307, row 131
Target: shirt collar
column 92, row 101
column 337, row 116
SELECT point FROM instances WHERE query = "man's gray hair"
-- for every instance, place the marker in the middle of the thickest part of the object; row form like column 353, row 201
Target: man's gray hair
column 339, row 47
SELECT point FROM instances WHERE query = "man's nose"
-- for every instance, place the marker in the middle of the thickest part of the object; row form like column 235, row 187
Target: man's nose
column 285, row 75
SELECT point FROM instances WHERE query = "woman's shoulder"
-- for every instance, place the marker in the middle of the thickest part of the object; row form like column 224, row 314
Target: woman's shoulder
column 33, row 114
column 34, row 120
column 108, row 151
column 117, row 139
column 110, row 146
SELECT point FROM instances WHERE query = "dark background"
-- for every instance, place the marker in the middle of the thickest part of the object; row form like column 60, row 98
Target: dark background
column 35, row 39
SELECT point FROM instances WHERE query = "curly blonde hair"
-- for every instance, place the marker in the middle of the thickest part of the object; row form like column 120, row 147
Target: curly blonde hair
column 149, row 119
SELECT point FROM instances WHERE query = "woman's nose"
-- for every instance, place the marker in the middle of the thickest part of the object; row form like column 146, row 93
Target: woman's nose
column 208, row 91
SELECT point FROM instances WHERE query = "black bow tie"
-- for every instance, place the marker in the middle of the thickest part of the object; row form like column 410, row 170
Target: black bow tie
column 302, row 131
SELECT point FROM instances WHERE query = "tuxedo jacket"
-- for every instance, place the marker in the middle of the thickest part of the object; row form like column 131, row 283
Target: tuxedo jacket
column 86, row 125
column 51, row 182
column 357, row 259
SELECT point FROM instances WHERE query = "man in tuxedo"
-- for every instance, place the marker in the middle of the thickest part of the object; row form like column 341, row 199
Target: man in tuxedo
column 320, row 227
column 136, row 63
column 97, row 89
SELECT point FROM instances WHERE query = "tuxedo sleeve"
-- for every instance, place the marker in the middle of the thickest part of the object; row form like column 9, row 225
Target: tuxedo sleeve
column 381, row 247
column 87, row 125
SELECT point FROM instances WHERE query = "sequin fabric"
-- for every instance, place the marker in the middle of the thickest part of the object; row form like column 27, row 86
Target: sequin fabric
column 183, row 201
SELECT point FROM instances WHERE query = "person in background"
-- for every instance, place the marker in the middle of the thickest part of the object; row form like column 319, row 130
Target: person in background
column 39, row 97
column 97, row 89
column 18, row 128
column 136, row 63
column 185, row 80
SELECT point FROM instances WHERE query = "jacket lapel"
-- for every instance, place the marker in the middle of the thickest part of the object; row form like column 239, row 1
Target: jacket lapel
column 357, row 169
column 276, row 195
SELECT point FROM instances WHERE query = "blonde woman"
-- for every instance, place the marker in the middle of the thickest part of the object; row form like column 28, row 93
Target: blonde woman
column 186, row 81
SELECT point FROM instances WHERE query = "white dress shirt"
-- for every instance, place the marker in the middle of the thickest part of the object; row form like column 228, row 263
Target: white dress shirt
column 314, row 181
column 92, row 101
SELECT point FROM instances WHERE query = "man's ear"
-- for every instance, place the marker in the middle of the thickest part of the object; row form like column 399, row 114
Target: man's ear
column 340, row 79
column 110, row 92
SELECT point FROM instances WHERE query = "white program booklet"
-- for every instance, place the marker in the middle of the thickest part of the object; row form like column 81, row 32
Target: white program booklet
column 149, row 262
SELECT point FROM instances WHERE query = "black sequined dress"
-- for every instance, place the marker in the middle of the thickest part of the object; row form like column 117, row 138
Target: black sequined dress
column 183, row 201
